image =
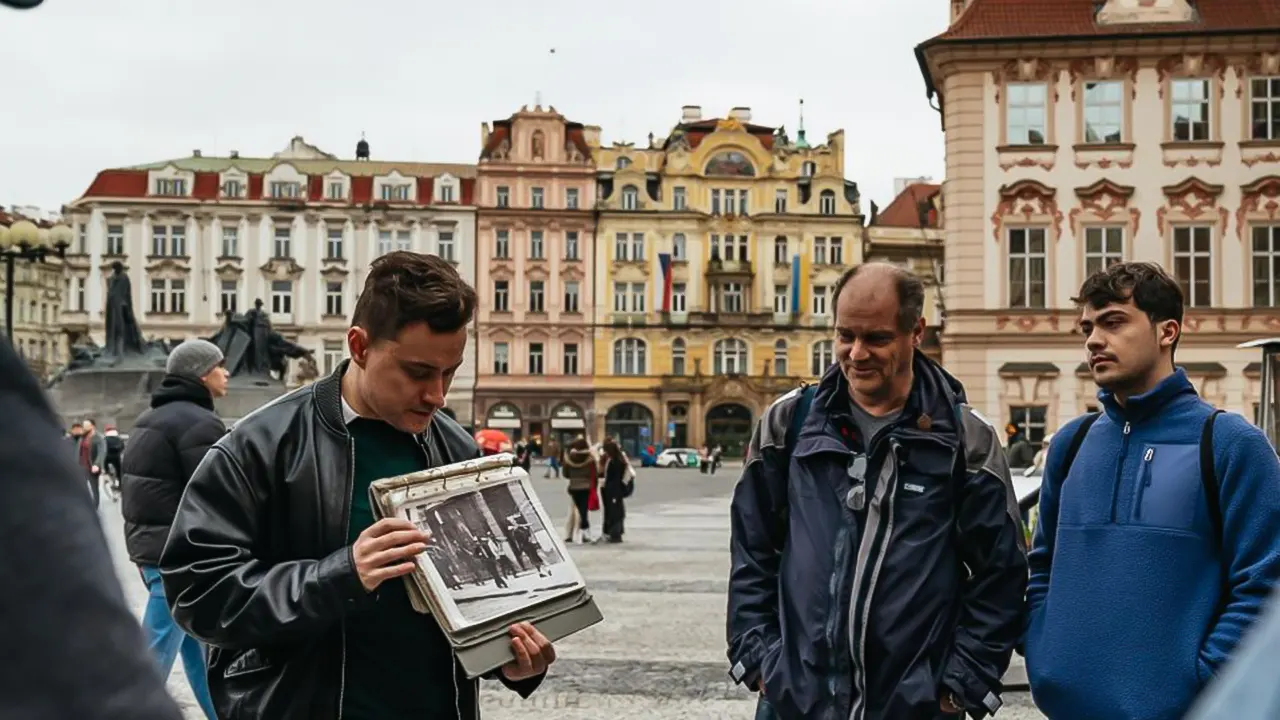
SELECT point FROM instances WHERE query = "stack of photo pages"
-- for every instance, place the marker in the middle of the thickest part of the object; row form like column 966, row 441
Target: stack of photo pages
column 493, row 559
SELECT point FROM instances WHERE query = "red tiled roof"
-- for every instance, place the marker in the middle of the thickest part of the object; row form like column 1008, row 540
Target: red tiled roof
column 206, row 187
column 1014, row 19
column 904, row 211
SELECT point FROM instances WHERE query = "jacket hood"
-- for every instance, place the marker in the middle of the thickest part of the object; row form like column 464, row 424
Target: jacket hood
column 180, row 388
column 935, row 393
column 577, row 458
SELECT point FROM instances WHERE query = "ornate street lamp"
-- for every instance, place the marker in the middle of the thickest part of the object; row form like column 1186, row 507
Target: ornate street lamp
column 24, row 241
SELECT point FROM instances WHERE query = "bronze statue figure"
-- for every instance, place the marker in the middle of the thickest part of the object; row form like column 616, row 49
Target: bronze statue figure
column 252, row 349
column 124, row 338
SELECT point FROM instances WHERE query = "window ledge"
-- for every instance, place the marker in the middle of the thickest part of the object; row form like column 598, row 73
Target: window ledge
column 1028, row 156
column 1253, row 152
column 1192, row 153
column 1103, row 155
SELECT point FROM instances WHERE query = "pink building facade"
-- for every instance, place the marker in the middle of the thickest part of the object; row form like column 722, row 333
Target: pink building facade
column 535, row 241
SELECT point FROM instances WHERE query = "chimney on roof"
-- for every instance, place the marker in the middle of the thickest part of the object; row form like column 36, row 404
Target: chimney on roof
column 691, row 113
column 196, row 153
column 741, row 114
column 235, row 154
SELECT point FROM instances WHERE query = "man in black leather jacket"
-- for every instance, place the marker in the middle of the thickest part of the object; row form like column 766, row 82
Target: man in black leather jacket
column 274, row 559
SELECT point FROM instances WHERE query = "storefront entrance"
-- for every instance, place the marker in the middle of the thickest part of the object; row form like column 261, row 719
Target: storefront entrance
column 729, row 426
column 505, row 417
column 631, row 424
column 567, row 423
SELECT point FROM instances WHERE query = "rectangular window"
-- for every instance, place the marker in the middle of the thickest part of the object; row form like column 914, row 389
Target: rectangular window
column 679, row 251
column 178, row 241
column 230, row 242
column 115, row 240
column 535, row 245
column 637, row 247
column 836, row 250
column 501, row 358
column 333, row 248
column 820, row 300
column 781, row 299
column 1190, row 110
column 78, row 294
column 535, row 359
column 1103, row 247
column 537, row 296
column 731, row 297
column 1103, row 111
column 621, row 247
column 1264, row 114
column 502, row 296
column 571, row 198
column 385, row 239
column 229, row 295
column 502, row 244
column 333, row 355
column 1027, row 267
column 1193, row 263
column 569, row 364
column 1266, row 266
column 827, row 203
column 446, row 193
column 395, row 193
column 637, row 297
column 333, row 298
column 285, row 190
column 744, row 204
column 404, row 240
column 819, row 251
column 780, row 201
column 1031, row 418
column 536, row 198
column 571, row 245
column 715, row 202
column 232, row 189
column 178, row 296
column 283, row 241
column 620, row 297
column 679, row 299
column 159, row 240
column 158, row 296
column 281, row 297
column 780, row 254
column 571, row 296
column 337, row 190
column 503, row 197
column 1026, row 113
column 171, row 186
column 445, row 248
column 679, row 198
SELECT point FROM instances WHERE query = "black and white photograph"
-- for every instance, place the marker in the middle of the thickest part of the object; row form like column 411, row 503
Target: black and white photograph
column 491, row 552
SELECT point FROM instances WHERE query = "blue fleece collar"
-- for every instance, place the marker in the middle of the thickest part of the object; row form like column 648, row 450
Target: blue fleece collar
column 1150, row 403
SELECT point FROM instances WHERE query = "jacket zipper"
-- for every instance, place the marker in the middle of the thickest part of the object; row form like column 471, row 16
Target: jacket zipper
column 1115, row 492
column 346, row 532
column 1144, row 481
column 858, row 630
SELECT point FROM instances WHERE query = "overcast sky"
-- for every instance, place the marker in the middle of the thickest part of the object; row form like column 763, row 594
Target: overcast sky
column 92, row 84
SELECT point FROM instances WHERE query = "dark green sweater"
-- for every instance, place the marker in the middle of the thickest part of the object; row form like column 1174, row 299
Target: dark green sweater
column 399, row 664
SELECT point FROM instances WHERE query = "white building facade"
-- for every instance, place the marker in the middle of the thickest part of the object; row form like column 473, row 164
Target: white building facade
column 202, row 236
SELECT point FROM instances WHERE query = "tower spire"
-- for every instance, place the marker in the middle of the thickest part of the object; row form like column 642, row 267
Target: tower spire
column 801, row 142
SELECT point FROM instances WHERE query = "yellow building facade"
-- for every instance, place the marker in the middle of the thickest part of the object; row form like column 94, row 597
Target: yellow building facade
column 718, row 248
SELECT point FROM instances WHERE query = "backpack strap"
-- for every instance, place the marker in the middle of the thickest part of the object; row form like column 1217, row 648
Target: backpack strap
column 1072, row 450
column 1209, row 478
column 782, row 514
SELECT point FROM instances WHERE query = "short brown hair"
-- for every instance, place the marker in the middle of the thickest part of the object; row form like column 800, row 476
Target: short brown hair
column 404, row 288
column 909, row 287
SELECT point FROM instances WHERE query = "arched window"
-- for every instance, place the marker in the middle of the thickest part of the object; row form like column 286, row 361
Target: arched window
column 730, row 357
column 827, row 202
column 780, row 358
column 678, row 356
column 630, row 197
column 628, row 356
column 623, row 163
column 823, row 355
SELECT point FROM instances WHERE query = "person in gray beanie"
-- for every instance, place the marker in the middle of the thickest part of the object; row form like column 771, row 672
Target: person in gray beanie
column 167, row 443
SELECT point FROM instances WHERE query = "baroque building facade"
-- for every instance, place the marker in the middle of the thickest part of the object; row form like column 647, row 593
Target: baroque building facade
column 535, row 247
column 37, row 302
column 719, row 246
column 1080, row 134
column 203, row 236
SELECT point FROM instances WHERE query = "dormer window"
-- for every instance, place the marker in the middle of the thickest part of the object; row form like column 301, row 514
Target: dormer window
column 624, row 163
column 446, row 193
column 396, row 193
column 630, row 197
column 232, row 189
column 337, row 190
column 280, row 189
column 808, row 169
column 171, row 187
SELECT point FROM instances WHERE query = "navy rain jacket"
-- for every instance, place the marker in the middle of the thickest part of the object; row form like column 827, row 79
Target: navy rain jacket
column 932, row 570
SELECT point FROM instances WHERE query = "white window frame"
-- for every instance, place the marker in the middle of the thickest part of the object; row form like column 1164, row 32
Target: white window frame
column 730, row 357
column 679, row 297
column 537, row 358
column 821, row 355
column 1103, row 247
column 572, row 297
column 1103, row 111
column 1029, row 257
column 1264, row 96
column 446, row 246
column 1026, row 113
column 333, row 296
column 501, row 358
column 1184, row 98
column 781, row 299
column 502, row 243
column 1189, row 279
column 537, row 296
column 502, row 296
column 282, row 298
column 827, row 202
column 282, row 241
column 629, row 356
column 571, row 249
column 630, row 197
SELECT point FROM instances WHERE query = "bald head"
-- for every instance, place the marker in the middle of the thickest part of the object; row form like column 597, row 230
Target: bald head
column 878, row 282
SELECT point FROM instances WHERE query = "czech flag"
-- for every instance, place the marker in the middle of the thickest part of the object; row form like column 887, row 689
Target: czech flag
column 664, row 266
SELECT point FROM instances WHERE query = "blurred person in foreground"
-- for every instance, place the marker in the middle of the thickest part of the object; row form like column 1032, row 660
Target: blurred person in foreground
column 1249, row 687
column 878, row 559
column 167, row 444
column 275, row 560
column 1158, row 542
column 71, row 646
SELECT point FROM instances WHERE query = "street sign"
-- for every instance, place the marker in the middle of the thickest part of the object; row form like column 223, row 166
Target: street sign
column 671, row 429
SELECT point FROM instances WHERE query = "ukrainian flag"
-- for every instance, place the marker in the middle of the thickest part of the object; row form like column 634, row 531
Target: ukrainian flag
column 800, row 281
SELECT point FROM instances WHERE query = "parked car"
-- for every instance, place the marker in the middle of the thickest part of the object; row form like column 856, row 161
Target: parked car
column 677, row 458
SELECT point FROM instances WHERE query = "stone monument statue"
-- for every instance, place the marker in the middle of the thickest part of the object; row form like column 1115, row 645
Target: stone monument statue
column 253, row 350
column 124, row 338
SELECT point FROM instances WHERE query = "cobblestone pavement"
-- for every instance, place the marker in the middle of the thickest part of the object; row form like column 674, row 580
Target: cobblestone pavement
column 660, row 651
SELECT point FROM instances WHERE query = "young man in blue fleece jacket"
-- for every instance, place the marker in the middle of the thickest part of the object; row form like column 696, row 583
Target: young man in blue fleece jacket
column 1138, row 595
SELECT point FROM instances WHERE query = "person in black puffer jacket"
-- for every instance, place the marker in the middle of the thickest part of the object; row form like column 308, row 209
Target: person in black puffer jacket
column 167, row 443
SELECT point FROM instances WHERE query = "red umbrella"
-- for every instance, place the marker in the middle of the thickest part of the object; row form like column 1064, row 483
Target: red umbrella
column 492, row 441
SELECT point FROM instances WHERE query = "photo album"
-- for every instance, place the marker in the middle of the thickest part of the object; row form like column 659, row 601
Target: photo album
column 493, row 559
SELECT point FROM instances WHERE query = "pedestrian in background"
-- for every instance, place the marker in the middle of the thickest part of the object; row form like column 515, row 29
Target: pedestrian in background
column 71, row 646
column 878, row 562
column 92, row 454
column 618, row 476
column 580, row 470
column 1158, row 540
column 168, row 442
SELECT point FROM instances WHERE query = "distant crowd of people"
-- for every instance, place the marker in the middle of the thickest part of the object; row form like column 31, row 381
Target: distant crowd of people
column 99, row 456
